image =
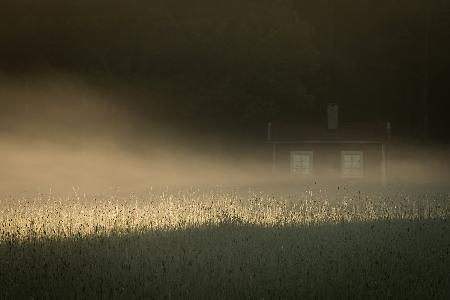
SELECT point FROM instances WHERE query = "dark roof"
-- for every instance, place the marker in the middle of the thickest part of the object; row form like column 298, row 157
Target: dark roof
column 289, row 132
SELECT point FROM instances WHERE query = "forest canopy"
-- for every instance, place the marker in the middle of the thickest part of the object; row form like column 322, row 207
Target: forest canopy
column 245, row 62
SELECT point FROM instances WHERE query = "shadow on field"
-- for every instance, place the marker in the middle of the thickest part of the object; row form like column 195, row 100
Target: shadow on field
column 394, row 259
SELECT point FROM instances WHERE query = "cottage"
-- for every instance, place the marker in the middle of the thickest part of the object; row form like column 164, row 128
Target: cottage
column 333, row 151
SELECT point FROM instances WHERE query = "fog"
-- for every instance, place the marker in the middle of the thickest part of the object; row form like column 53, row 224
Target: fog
column 59, row 133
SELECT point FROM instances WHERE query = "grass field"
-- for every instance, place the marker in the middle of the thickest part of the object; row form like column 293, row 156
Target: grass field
column 226, row 243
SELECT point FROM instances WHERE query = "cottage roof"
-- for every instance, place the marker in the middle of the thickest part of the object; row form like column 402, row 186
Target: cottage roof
column 347, row 132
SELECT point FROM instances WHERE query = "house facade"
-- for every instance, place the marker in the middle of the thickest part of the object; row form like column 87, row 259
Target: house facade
column 333, row 151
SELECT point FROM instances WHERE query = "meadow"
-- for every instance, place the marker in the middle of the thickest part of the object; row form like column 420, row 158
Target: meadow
column 226, row 243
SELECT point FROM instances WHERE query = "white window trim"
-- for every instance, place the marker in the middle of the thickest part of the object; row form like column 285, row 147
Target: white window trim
column 310, row 153
column 359, row 174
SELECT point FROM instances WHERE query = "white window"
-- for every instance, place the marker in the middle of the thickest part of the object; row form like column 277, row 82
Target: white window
column 301, row 162
column 352, row 164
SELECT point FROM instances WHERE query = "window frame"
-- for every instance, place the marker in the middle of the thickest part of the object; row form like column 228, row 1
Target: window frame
column 310, row 154
column 354, row 173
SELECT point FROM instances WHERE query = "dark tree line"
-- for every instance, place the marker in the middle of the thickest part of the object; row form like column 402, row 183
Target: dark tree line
column 237, row 64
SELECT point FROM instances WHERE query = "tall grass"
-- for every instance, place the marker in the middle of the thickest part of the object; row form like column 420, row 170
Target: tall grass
column 226, row 243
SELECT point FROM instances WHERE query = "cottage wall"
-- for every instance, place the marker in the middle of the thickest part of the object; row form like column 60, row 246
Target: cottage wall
column 327, row 164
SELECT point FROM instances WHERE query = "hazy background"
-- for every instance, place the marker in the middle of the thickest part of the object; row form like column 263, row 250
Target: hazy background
column 140, row 93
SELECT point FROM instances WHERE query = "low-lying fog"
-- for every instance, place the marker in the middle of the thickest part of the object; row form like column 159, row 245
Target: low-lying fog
column 58, row 133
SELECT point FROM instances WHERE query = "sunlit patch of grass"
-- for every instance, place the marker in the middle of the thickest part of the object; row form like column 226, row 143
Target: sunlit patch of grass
column 203, row 243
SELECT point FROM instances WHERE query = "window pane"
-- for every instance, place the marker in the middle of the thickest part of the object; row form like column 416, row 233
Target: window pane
column 352, row 163
column 301, row 162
